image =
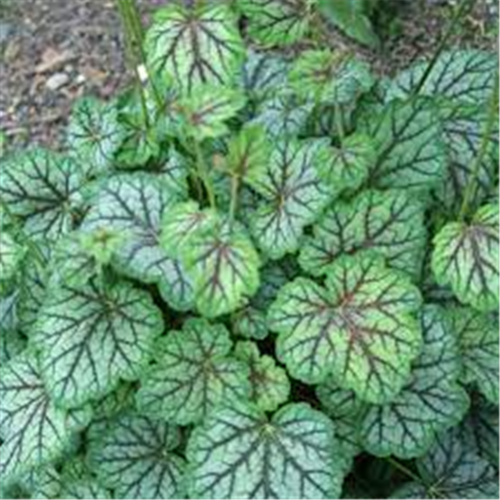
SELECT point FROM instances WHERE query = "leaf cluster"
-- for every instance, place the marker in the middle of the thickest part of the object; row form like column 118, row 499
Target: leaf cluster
column 254, row 276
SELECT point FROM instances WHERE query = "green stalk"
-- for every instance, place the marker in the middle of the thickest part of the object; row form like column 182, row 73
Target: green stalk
column 233, row 207
column 134, row 34
column 402, row 468
column 339, row 121
column 488, row 130
column 203, row 173
column 133, row 40
column 463, row 9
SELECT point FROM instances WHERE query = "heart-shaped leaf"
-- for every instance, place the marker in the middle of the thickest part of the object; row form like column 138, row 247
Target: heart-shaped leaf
column 360, row 328
column 203, row 115
column 293, row 197
column 42, row 189
column 432, row 402
column 346, row 168
column 329, row 78
column 465, row 257
column 276, row 22
column 193, row 46
column 292, row 455
column 283, row 116
column 248, row 155
column 452, row 470
column 477, row 335
column 264, row 74
column 411, row 151
column 270, row 386
column 389, row 223
column 95, row 134
column 224, row 268
column 90, row 338
column 181, row 223
column 135, row 457
column 465, row 76
column 33, row 430
column 132, row 207
column 193, row 375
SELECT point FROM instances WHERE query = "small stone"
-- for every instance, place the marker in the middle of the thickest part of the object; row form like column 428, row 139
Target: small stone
column 6, row 31
column 57, row 81
column 80, row 79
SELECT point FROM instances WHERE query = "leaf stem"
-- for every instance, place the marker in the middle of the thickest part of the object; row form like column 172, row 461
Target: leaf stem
column 339, row 121
column 134, row 35
column 233, row 207
column 462, row 10
column 405, row 470
column 488, row 129
column 203, row 173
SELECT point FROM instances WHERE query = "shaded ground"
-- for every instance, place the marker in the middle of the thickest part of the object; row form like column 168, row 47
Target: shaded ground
column 53, row 51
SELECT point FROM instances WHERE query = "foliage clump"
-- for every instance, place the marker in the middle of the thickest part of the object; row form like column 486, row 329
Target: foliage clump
column 256, row 276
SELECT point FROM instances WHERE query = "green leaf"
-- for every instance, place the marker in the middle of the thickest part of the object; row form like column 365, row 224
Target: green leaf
column 193, row 375
column 389, row 223
column 239, row 453
column 248, row 155
column 174, row 173
column 11, row 255
column 465, row 257
column 42, row 189
column 270, row 384
column 264, row 74
column 193, row 46
column 141, row 135
column 351, row 16
column 77, row 258
column 135, row 457
column 203, row 115
column 481, row 429
column 94, row 134
column 465, row 76
column 11, row 340
column 293, row 197
column 33, row 285
column 411, row 151
column 329, row 78
column 430, row 403
column 33, row 430
column 344, row 408
column 276, row 22
column 90, row 338
column 224, row 268
column 251, row 321
column 283, row 116
column 181, row 223
column 42, row 483
column 84, row 489
column 346, row 168
column 452, row 470
column 360, row 328
column 133, row 206
column 463, row 129
column 477, row 335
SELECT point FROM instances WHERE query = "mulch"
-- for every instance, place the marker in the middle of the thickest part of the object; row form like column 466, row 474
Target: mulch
column 54, row 51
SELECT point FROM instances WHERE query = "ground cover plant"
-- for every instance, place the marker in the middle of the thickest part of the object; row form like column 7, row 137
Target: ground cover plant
column 256, row 275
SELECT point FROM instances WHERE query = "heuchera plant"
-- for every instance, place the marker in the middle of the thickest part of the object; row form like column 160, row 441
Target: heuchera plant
column 256, row 276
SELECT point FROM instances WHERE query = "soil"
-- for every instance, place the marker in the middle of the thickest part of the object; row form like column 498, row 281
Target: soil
column 54, row 51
